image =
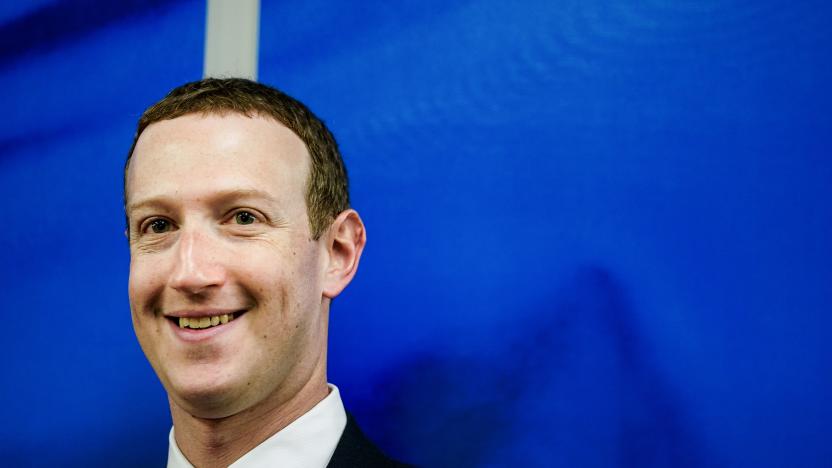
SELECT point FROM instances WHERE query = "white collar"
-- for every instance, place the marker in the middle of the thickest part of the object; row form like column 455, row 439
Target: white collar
column 308, row 441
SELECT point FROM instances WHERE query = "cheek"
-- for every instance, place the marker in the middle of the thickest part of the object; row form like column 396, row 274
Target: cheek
column 140, row 290
column 281, row 269
column 145, row 283
column 268, row 284
column 309, row 267
column 288, row 294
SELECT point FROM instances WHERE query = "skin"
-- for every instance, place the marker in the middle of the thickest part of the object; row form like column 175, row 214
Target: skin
column 217, row 222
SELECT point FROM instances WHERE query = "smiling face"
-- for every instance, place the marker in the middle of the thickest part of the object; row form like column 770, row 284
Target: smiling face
column 218, row 227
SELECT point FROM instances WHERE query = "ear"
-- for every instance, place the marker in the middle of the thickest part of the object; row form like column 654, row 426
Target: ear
column 345, row 242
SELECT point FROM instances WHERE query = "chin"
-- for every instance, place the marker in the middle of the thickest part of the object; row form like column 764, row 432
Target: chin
column 206, row 404
column 210, row 399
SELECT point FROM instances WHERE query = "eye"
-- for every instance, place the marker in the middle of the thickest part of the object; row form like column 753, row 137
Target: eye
column 159, row 226
column 244, row 217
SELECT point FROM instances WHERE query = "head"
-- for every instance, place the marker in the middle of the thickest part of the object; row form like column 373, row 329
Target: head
column 240, row 236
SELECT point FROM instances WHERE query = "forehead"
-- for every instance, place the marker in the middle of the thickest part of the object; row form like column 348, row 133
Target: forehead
column 197, row 154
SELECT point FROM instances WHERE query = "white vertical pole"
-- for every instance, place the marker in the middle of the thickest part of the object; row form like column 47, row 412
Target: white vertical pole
column 231, row 39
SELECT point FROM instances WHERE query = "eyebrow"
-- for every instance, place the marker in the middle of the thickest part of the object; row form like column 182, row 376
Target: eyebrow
column 224, row 196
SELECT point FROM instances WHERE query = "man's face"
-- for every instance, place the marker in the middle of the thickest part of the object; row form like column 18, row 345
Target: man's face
column 218, row 226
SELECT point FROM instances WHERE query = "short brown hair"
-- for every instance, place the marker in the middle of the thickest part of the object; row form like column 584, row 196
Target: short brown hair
column 327, row 188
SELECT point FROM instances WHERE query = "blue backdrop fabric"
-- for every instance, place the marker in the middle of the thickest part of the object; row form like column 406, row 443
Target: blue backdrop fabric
column 598, row 230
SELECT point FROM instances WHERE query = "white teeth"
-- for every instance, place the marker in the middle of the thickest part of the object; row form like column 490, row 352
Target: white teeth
column 204, row 322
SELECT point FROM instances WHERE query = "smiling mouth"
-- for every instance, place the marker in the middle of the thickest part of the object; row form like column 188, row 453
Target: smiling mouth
column 198, row 323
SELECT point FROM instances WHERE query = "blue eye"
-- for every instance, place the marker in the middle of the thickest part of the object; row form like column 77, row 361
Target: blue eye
column 159, row 226
column 244, row 217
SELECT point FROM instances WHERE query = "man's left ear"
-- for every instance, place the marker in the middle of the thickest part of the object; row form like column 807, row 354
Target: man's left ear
column 345, row 242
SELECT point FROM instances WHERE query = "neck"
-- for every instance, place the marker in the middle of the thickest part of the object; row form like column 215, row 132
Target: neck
column 220, row 442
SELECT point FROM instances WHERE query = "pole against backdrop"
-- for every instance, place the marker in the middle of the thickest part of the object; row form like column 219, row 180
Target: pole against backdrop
column 231, row 38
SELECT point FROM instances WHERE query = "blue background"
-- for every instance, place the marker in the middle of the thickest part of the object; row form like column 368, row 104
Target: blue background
column 598, row 230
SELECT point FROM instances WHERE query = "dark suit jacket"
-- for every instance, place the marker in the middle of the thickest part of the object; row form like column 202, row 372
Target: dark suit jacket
column 354, row 450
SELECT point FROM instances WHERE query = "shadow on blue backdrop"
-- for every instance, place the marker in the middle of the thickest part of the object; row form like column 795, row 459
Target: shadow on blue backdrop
column 576, row 387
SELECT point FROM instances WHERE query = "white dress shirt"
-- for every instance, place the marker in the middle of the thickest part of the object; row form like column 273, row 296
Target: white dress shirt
column 308, row 441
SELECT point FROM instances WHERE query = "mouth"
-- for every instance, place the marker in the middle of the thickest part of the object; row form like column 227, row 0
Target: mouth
column 205, row 321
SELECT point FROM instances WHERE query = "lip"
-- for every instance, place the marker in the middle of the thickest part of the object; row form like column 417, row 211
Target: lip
column 192, row 335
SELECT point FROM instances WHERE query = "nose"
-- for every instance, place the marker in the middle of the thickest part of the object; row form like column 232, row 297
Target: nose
column 198, row 267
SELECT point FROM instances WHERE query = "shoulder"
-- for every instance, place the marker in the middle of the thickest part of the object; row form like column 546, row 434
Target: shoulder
column 354, row 449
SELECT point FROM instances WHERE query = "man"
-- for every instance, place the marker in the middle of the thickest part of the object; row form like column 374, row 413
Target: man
column 241, row 234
